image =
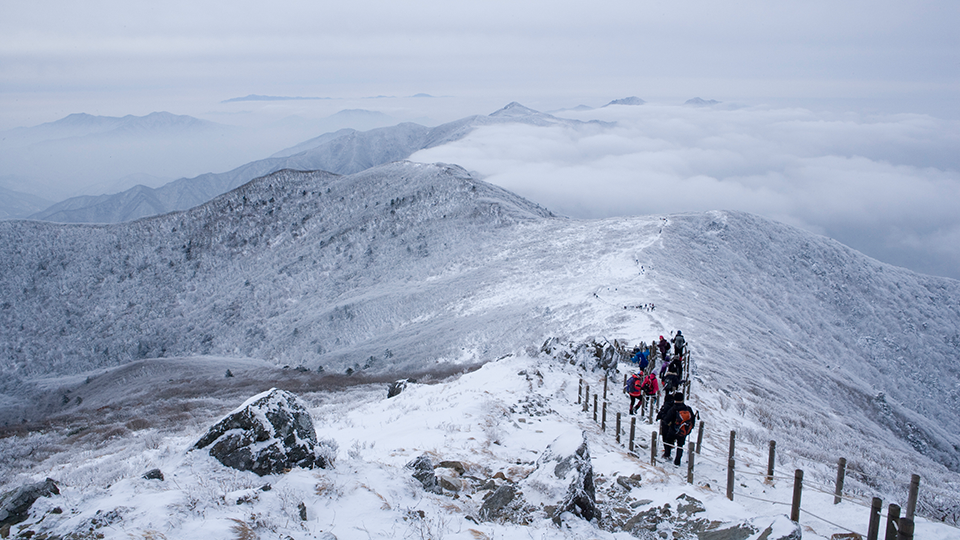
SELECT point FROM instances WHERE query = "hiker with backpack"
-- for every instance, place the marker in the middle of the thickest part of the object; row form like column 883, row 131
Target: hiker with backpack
column 676, row 424
column 679, row 345
column 641, row 358
column 671, row 382
column 633, row 389
column 664, row 347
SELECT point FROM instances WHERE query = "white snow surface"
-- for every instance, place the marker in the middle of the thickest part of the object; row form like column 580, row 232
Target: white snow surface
column 115, row 340
column 478, row 419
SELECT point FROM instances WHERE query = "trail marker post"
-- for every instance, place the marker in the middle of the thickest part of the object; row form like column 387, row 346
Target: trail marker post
column 689, row 463
column 603, row 418
column 618, row 428
column 633, row 430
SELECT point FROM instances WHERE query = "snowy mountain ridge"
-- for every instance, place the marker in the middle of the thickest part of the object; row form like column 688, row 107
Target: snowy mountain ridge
column 409, row 269
column 346, row 151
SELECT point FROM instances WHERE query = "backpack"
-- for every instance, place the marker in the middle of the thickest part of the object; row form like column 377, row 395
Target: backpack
column 632, row 387
column 685, row 421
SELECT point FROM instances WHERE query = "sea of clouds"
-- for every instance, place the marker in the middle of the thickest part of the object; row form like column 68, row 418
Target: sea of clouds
column 886, row 185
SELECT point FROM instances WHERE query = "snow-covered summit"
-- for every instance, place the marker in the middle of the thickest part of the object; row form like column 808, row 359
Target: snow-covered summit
column 632, row 100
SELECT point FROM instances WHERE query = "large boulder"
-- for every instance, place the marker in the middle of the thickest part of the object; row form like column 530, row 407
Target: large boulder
column 563, row 479
column 15, row 505
column 269, row 434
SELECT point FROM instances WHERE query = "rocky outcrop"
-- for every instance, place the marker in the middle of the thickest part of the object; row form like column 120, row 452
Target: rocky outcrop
column 563, row 479
column 15, row 505
column 269, row 434
column 423, row 472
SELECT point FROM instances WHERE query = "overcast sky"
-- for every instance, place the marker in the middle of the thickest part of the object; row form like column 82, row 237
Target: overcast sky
column 136, row 57
column 840, row 117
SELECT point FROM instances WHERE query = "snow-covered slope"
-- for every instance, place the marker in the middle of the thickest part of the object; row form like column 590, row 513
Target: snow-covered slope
column 410, row 268
column 346, row 151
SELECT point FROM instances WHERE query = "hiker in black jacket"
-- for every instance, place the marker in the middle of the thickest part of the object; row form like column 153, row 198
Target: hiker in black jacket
column 677, row 423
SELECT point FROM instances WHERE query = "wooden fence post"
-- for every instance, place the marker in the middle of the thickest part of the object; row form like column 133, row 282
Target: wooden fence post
column 797, row 492
column 873, row 529
column 618, row 428
column 603, row 418
column 699, row 437
column 653, row 449
column 841, row 471
column 633, row 430
column 893, row 516
column 770, row 460
column 733, row 444
column 905, row 530
column 604, row 387
column 580, row 392
column 653, row 406
column 586, row 397
column 912, row 496
column 690, row 463
column 731, row 465
column 595, row 407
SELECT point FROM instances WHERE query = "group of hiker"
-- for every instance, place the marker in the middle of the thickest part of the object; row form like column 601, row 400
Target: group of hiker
column 676, row 418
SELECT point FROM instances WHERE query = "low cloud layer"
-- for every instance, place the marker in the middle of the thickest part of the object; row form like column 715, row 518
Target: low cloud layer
column 888, row 186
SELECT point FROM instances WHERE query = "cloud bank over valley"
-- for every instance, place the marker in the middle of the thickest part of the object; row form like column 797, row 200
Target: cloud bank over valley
column 885, row 185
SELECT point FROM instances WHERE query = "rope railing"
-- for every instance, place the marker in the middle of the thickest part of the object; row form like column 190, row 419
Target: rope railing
column 705, row 450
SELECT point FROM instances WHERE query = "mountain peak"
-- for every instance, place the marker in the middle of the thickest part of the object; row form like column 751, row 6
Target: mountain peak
column 700, row 102
column 515, row 109
column 632, row 100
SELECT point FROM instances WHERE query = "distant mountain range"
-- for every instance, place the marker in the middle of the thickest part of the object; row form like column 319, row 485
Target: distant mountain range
column 344, row 152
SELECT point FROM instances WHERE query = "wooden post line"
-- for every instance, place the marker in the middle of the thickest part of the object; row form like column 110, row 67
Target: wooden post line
column 618, row 428
column 586, row 397
column 633, row 430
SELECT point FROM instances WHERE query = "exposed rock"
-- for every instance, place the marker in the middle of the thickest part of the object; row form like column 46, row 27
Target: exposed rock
column 302, row 508
column 689, row 505
column 423, row 472
column 449, row 482
column 153, row 474
column 495, row 506
column 15, row 505
column 629, row 482
column 396, row 388
column 455, row 465
column 271, row 433
column 564, row 478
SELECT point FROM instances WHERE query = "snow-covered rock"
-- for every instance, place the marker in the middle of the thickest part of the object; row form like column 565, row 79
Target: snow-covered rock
column 15, row 504
column 563, row 479
column 270, row 433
